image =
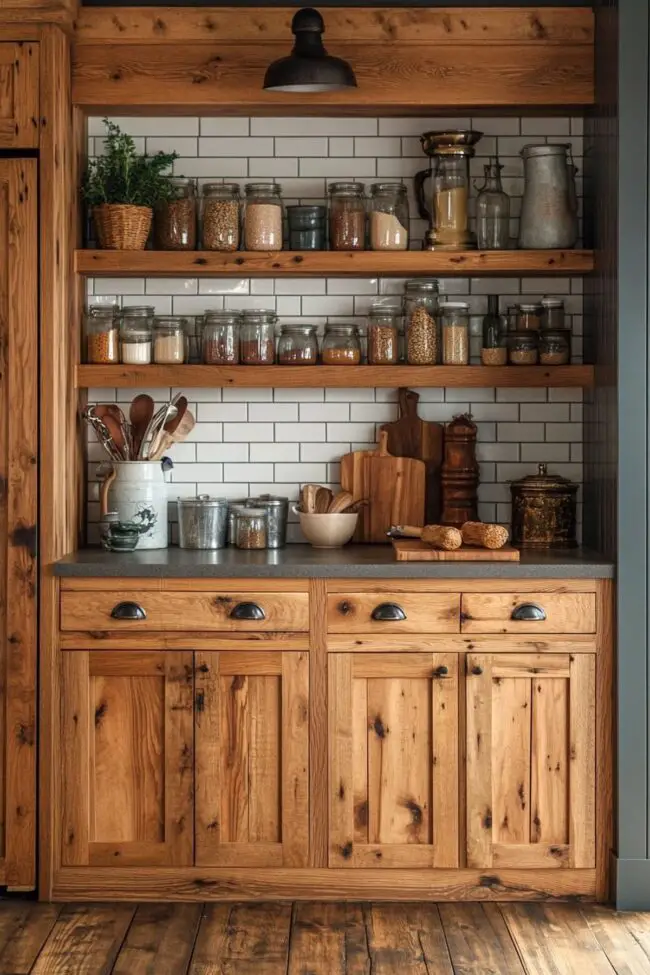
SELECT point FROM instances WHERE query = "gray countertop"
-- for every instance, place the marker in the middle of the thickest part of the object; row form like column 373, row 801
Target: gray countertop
column 302, row 561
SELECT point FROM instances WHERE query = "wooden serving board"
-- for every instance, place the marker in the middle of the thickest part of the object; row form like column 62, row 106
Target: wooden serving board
column 413, row 550
column 411, row 436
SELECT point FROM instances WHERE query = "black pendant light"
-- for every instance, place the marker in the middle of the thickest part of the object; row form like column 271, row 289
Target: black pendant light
column 309, row 67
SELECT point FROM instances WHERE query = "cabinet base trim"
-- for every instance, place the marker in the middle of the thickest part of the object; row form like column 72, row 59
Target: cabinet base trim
column 631, row 884
column 224, row 884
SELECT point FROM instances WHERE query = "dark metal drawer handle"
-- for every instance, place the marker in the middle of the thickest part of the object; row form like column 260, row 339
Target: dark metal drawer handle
column 388, row 613
column 527, row 613
column 247, row 611
column 128, row 611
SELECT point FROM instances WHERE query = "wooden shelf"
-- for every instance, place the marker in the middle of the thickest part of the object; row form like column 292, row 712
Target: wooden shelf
column 331, row 263
column 187, row 376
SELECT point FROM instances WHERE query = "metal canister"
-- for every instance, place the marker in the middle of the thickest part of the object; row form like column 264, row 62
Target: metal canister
column 544, row 511
column 203, row 522
column 278, row 515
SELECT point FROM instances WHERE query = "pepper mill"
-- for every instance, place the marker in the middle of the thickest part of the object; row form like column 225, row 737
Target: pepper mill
column 460, row 473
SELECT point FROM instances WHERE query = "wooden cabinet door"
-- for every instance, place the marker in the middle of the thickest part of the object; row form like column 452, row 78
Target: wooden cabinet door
column 252, row 758
column 127, row 758
column 393, row 742
column 19, row 128
column 18, row 514
column 531, row 760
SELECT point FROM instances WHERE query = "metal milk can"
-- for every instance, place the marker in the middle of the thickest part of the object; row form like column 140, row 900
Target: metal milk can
column 549, row 211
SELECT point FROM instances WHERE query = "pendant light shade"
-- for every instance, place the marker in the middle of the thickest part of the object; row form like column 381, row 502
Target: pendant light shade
column 309, row 67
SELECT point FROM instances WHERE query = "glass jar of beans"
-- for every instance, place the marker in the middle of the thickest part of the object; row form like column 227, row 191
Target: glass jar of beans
column 298, row 345
column 263, row 217
column 455, row 333
column 175, row 219
column 347, row 217
column 421, row 322
column 220, row 338
column 341, row 346
column 523, row 348
column 251, row 527
column 383, row 336
column 102, row 334
column 257, row 338
column 220, row 216
column 555, row 347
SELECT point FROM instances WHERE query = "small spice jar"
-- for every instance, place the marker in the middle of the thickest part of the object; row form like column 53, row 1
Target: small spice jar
column 135, row 344
column 421, row 322
column 383, row 337
column 263, row 217
column 555, row 347
column 169, row 339
column 307, row 227
column 220, row 211
column 543, row 511
column 298, row 345
column 341, row 346
column 102, row 334
column 455, row 333
column 523, row 348
column 175, row 219
column 389, row 217
column 257, row 338
column 529, row 318
column 347, row 217
column 220, row 338
column 251, row 527
column 552, row 313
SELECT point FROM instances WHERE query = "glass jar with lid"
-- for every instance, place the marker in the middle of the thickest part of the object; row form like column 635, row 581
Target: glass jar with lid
column 220, row 338
column 169, row 339
column 298, row 345
column 102, row 334
column 341, row 346
column 555, row 347
column 523, row 348
column 347, row 216
column 389, row 217
column 220, row 216
column 383, row 336
column 529, row 318
column 175, row 219
column 552, row 313
column 135, row 342
column 257, row 337
column 455, row 333
column 421, row 322
column 251, row 527
column 494, row 350
column 263, row 217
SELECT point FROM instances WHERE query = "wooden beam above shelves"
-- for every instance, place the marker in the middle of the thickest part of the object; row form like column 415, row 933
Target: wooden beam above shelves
column 97, row 263
column 193, row 376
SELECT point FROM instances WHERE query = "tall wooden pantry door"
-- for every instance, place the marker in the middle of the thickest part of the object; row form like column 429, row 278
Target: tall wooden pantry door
column 18, row 513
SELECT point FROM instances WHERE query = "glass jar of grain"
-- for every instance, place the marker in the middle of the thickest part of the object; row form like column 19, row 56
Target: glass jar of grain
column 421, row 322
column 455, row 333
column 389, row 217
column 341, row 346
column 383, row 336
column 555, row 347
column 347, row 217
column 529, row 318
column 552, row 313
column 220, row 213
column 169, row 339
column 102, row 334
column 257, row 338
column 251, row 527
column 220, row 338
column 298, row 345
column 175, row 219
column 263, row 217
column 523, row 348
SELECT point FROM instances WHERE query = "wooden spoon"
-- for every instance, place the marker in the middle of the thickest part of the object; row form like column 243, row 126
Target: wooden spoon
column 162, row 441
column 116, row 432
column 324, row 498
column 140, row 414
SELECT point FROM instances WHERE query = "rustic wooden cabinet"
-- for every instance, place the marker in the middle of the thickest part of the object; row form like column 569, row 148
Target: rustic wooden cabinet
column 19, row 96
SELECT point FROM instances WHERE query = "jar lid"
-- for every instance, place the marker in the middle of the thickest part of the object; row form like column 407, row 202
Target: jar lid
column 138, row 334
column 352, row 188
column 296, row 327
column 204, row 501
column 531, row 307
column 209, row 188
column 103, row 311
column 170, row 321
column 421, row 284
column 544, row 481
column 264, row 189
column 255, row 314
column 550, row 302
column 341, row 327
column 219, row 315
column 387, row 188
column 308, row 211
column 138, row 311
column 454, row 306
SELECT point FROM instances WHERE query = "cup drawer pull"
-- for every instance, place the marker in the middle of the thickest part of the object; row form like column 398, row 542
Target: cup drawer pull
column 247, row 611
column 528, row 613
column 128, row 611
column 388, row 613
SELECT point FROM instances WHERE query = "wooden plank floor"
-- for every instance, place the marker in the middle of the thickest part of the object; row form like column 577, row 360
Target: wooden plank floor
column 321, row 939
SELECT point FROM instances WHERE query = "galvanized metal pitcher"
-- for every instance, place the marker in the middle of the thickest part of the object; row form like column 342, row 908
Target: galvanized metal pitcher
column 549, row 216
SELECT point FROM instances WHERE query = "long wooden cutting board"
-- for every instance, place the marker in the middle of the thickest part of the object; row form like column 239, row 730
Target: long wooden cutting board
column 393, row 486
column 411, row 436
column 413, row 550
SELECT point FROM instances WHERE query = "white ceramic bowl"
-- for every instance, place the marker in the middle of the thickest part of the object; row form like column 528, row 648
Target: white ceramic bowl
column 327, row 531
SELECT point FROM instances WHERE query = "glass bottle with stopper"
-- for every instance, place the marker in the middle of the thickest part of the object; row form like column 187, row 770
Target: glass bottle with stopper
column 492, row 210
column 447, row 208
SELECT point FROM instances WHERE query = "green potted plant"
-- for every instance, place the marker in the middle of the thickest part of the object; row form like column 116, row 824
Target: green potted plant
column 122, row 187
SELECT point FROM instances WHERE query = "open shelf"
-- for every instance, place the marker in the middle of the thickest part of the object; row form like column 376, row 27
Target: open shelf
column 331, row 263
column 188, row 376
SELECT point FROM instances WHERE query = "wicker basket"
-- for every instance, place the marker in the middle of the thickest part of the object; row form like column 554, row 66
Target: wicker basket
column 122, row 227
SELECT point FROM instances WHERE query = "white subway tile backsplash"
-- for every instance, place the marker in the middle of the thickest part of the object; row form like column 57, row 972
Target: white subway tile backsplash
column 273, row 413
column 520, row 432
column 225, row 126
column 248, row 432
column 383, row 146
column 302, row 146
column 221, row 452
column 299, row 432
column 272, row 168
column 247, row 472
column 341, row 146
column 223, row 412
column 274, row 453
column 326, row 412
column 236, row 146
column 301, row 473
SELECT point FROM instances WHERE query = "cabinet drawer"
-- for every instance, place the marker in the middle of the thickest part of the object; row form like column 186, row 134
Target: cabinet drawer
column 399, row 612
column 145, row 610
column 530, row 612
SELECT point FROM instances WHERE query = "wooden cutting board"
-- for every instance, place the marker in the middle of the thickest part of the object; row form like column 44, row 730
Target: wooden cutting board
column 393, row 486
column 413, row 550
column 411, row 436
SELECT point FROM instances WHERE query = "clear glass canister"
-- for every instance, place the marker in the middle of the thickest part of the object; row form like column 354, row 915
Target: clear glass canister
column 220, row 216
column 383, row 336
column 421, row 322
column 455, row 333
column 347, row 216
column 220, row 338
column 555, row 347
column 169, row 342
column 102, row 334
column 135, row 343
column 263, row 217
column 389, row 217
column 251, row 527
column 298, row 345
column 552, row 313
column 529, row 318
column 176, row 218
column 523, row 348
column 341, row 346
column 257, row 338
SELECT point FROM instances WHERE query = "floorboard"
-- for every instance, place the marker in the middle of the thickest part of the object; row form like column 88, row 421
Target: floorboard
column 85, row 940
column 160, row 940
column 479, row 940
column 24, row 929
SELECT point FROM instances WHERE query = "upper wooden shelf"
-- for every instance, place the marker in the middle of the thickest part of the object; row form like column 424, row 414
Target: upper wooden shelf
column 331, row 263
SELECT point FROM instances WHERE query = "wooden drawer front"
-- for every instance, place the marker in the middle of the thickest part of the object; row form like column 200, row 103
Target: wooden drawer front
column 284, row 611
column 413, row 612
column 561, row 612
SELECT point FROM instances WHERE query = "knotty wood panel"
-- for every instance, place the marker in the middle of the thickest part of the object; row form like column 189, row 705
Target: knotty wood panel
column 252, row 759
column 530, row 762
column 393, row 762
column 350, row 612
column 19, row 98
column 492, row 613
